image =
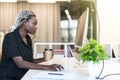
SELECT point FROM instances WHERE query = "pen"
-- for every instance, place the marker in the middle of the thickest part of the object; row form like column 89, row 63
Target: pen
column 55, row 73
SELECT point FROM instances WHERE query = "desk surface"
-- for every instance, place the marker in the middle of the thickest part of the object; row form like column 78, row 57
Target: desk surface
column 79, row 70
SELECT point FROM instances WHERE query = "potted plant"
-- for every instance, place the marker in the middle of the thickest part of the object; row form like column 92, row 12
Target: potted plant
column 93, row 51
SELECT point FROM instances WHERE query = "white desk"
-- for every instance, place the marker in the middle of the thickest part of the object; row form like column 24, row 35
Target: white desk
column 80, row 71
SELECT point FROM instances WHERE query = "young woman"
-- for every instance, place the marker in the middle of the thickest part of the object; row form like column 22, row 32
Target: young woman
column 17, row 54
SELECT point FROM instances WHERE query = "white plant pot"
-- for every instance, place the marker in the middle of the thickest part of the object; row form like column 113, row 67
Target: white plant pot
column 93, row 70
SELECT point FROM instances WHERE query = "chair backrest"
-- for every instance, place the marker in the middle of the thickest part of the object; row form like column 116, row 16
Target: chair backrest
column 116, row 49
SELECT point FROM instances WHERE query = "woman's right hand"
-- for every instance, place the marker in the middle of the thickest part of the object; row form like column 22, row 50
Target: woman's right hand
column 55, row 67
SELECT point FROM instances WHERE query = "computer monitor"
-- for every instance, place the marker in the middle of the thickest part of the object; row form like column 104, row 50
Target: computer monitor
column 82, row 30
column 81, row 34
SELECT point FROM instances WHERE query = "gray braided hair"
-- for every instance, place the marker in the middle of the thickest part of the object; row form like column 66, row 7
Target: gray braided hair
column 22, row 16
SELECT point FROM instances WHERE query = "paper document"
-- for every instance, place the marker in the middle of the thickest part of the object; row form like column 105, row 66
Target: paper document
column 51, row 75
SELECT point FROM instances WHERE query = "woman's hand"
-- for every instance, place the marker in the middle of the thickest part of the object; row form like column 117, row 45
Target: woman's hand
column 55, row 67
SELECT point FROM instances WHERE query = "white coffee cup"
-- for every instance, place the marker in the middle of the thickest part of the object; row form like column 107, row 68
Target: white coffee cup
column 48, row 54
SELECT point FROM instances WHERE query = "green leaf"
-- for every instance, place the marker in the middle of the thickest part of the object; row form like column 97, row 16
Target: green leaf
column 92, row 51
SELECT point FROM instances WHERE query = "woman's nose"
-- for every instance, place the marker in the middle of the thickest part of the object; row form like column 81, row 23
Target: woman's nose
column 35, row 27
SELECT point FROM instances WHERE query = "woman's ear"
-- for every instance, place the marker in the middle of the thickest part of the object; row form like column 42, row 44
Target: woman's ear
column 24, row 22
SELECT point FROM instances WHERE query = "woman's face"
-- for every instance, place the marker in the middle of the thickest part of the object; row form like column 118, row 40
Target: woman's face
column 31, row 25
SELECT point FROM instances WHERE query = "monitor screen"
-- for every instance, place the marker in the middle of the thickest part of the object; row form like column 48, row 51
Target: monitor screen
column 82, row 30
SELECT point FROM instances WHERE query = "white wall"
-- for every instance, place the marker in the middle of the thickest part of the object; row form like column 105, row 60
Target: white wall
column 109, row 15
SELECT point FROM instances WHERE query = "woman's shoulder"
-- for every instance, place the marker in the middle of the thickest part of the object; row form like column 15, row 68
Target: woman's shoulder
column 9, row 36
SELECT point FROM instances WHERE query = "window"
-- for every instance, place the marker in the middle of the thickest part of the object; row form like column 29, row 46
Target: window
column 68, row 30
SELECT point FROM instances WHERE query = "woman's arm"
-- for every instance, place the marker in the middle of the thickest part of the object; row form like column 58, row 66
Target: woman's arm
column 39, row 60
column 28, row 65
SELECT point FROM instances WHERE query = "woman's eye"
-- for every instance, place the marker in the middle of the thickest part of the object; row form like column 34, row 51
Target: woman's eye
column 33, row 23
